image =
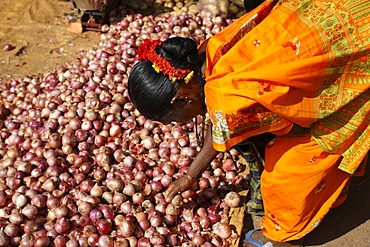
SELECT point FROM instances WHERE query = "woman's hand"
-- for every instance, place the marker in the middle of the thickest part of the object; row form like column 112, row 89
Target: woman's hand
column 183, row 183
column 201, row 162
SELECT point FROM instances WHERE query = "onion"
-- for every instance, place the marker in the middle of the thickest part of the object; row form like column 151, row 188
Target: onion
column 30, row 226
column 72, row 243
column 197, row 240
column 155, row 220
column 62, row 226
column 228, row 165
column 115, row 184
column 30, row 211
column 105, row 241
column 11, row 230
column 129, row 189
column 60, row 211
column 60, row 241
column 84, row 208
column 42, row 241
column 172, row 240
column 172, row 210
column 127, row 228
column 8, row 47
column 232, row 199
column 143, row 242
column 223, row 230
column 27, row 240
column 104, row 226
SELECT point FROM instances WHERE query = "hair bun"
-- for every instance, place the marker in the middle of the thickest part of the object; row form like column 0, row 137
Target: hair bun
column 180, row 52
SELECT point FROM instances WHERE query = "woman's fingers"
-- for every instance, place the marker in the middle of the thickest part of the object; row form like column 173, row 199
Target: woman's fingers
column 171, row 191
column 177, row 186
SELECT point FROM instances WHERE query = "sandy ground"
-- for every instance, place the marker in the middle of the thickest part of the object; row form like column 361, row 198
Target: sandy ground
column 38, row 29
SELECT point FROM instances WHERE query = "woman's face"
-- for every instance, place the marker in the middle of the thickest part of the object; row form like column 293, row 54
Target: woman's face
column 187, row 103
column 182, row 115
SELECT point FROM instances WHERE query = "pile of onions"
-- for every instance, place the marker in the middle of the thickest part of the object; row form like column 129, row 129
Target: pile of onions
column 80, row 166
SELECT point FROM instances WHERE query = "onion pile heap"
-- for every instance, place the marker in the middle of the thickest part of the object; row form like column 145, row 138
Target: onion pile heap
column 230, row 8
column 80, row 166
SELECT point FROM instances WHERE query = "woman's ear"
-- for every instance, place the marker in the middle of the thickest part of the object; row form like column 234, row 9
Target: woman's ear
column 180, row 100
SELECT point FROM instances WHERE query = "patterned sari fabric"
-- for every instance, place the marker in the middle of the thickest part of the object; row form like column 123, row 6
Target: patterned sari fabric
column 295, row 62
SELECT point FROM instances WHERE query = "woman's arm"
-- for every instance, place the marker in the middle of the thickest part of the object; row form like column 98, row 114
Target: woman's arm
column 204, row 158
column 199, row 165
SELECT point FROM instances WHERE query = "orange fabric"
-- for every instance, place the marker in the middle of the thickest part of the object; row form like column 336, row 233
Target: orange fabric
column 300, row 184
column 302, row 62
column 305, row 62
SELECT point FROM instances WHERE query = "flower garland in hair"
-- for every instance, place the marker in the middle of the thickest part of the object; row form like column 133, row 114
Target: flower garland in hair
column 146, row 51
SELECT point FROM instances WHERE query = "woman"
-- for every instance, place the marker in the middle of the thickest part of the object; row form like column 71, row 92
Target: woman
column 296, row 69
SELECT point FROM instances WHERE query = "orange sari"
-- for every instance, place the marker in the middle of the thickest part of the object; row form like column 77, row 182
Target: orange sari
column 301, row 62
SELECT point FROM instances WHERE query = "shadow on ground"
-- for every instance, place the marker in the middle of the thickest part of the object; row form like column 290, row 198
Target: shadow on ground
column 341, row 222
column 345, row 226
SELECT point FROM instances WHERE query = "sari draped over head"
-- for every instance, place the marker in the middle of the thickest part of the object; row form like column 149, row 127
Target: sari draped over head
column 294, row 62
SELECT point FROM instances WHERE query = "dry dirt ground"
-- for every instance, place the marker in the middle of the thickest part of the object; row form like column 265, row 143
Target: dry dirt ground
column 38, row 29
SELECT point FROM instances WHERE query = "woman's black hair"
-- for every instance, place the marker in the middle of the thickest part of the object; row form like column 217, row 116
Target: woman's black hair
column 249, row 5
column 152, row 92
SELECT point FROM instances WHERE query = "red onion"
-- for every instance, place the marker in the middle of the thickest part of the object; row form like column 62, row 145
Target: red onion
column 197, row 240
column 30, row 211
column 104, row 226
column 172, row 209
column 155, row 220
column 27, row 240
column 107, row 211
column 137, row 198
column 129, row 189
column 172, row 240
column 8, row 47
column 127, row 228
column 62, row 226
column 93, row 239
column 143, row 242
column 105, row 241
column 11, row 230
column 16, row 218
column 115, row 184
column 30, row 227
column 84, row 208
column 42, row 241
column 60, row 211
column 126, row 207
column 60, row 241
column 89, row 230
column 72, row 243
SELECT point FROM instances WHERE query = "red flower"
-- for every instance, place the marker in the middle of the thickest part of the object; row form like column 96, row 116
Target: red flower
column 146, row 51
